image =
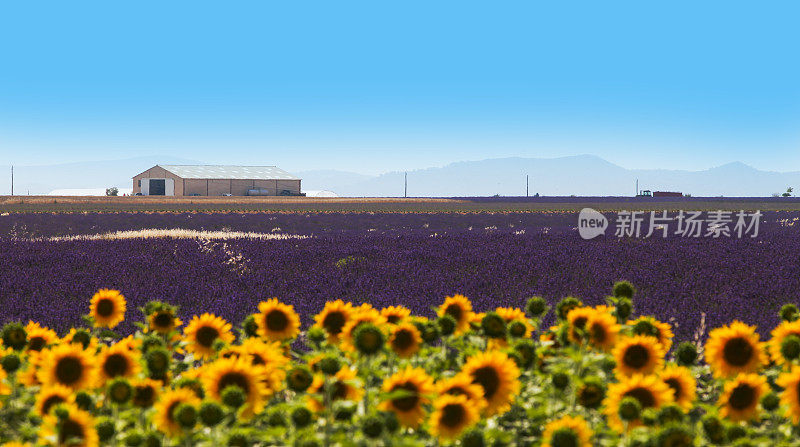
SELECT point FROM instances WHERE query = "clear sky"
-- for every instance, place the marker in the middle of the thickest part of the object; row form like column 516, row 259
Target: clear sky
column 380, row 86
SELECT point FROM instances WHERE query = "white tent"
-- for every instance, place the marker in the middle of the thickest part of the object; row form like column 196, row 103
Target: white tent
column 324, row 193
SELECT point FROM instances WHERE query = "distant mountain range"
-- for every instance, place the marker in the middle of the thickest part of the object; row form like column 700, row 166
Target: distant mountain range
column 582, row 175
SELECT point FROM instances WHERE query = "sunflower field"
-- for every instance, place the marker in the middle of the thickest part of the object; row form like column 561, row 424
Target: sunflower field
column 362, row 376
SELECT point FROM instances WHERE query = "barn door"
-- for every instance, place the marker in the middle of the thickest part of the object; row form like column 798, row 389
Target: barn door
column 158, row 187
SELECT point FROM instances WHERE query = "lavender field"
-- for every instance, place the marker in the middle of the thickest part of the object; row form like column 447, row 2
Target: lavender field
column 413, row 259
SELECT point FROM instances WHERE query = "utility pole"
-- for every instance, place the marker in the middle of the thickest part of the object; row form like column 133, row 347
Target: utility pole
column 637, row 187
column 405, row 185
column 12, row 180
column 526, row 185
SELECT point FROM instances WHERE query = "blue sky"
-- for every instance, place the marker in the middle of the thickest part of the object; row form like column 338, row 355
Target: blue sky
column 381, row 86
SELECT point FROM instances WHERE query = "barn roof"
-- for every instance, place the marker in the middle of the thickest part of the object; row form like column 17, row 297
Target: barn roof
column 230, row 172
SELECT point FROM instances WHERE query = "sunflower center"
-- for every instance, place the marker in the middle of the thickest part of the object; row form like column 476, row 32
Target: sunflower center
column 36, row 343
column 105, row 307
column 143, row 396
column 643, row 395
column 738, row 351
column 69, row 370
column 453, row 415
column 636, row 357
column 338, row 391
column 598, row 333
column 115, row 365
column 163, row 320
column 564, row 437
column 50, row 401
column 70, row 429
column 206, row 336
column 334, row 322
column 256, row 359
column 402, row 340
column 17, row 336
column 454, row 311
column 407, row 403
column 590, row 395
column 393, row 319
column 171, row 409
column 234, row 378
column 743, row 396
column 277, row 321
column 488, row 379
column 579, row 322
column 676, row 387
column 457, row 391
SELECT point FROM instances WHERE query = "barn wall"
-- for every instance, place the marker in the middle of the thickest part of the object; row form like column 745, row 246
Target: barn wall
column 218, row 187
column 195, row 186
column 158, row 172
column 240, row 187
column 290, row 185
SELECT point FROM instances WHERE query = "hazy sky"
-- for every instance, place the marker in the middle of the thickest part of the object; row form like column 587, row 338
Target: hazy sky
column 378, row 86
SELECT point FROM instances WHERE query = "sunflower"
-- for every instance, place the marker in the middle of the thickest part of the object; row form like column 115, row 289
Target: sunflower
column 131, row 343
column 39, row 337
column 460, row 308
column 30, row 375
column 107, row 308
column 734, row 349
column 572, row 430
column 461, row 385
column 658, row 329
column 417, row 385
column 145, row 392
column 76, row 429
column 52, row 395
column 163, row 321
column 269, row 356
column 452, row 415
column 68, row 365
column 395, row 314
column 639, row 354
column 237, row 372
column 790, row 396
column 779, row 334
column 333, row 318
column 650, row 391
column 81, row 337
column 511, row 314
column 117, row 361
column 203, row 331
column 578, row 317
column 167, row 403
column 4, row 389
column 682, row 383
column 342, row 387
column 405, row 339
column 740, row 397
column 498, row 375
column 277, row 321
column 363, row 314
column 602, row 330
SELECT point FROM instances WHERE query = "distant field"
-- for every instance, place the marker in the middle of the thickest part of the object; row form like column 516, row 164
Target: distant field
column 387, row 204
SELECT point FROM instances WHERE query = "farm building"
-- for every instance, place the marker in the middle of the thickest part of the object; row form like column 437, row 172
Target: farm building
column 191, row 180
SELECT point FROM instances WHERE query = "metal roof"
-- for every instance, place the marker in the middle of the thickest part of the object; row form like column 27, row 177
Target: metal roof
column 230, row 172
